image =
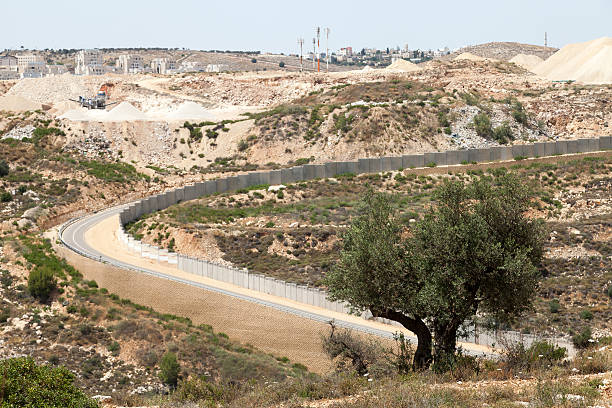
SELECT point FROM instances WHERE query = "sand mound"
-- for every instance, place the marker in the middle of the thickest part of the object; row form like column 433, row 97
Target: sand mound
column 190, row 110
column 588, row 62
column 125, row 111
column 526, row 61
column 14, row 103
column 403, row 66
column 469, row 56
column 367, row 68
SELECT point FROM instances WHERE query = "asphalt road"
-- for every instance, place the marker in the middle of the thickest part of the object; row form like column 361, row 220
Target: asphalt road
column 72, row 235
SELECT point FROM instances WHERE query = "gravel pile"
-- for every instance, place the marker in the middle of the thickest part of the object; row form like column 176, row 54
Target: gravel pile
column 20, row 133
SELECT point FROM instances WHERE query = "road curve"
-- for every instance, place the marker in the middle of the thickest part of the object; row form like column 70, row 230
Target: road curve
column 72, row 235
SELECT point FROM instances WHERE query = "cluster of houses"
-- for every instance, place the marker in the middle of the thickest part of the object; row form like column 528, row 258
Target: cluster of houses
column 26, row 66
column 91, row 62
column 373, row 56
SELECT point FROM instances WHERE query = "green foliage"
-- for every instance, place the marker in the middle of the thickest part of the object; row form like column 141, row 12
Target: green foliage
column 554, row 306
column 541, row 354
column 609, row 291
column 41, row 282
column 5, row 196
column 502, row 134
column 4, row 168
column 582, row 340
column 113, row 172
column 169, row 369
column 242, row 145
column 518, row 113
column 342, row 123
column 586, row 314
column 482, row 125
column 470, row 99
column 475, row 252
column 25, row 384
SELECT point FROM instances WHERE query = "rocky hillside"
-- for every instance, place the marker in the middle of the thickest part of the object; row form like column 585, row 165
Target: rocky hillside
column 504, row 51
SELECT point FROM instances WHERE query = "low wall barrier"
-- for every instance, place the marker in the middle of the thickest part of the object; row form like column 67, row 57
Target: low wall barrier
column 309, row 295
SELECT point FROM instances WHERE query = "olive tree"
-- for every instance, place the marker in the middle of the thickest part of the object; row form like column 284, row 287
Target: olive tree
column 474, row 251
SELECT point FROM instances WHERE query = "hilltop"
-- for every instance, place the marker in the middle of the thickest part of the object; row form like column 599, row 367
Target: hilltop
column 504, row 51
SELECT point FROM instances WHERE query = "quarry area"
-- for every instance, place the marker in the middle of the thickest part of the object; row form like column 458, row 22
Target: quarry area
column 60, row 160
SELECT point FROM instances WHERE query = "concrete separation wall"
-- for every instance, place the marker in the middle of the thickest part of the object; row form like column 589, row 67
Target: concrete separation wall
column 304, row 294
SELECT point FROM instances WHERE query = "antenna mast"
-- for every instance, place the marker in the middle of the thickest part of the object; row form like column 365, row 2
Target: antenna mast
column 327, row 48
column 318, row 49
column 545, row 39
column 314, row 52
column 301, row 43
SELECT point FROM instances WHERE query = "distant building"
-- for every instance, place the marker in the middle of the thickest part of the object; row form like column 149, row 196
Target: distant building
column 56, row 69
column 216, row 67
column 7, row 75
column 130, row 64
column 347, row 51
column 163, row 65
column 35, row 69
column 89, row 62
column 23, row 60
column 8, row 63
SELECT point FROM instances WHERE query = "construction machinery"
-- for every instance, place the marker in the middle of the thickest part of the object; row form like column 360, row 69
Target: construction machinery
column 99, row 101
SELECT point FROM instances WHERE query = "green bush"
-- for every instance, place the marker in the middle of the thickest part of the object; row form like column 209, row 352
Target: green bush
column 243, row 145
column 281, row 64
column 554, row 306
column 41, row 282
column 586, row 314
column 610, row 291
column 482, row 125
column 254, row 60
column 169, row 369
column 5, row 196
column 4, row 168
column 25, row 384
column 518, row 113
column 502, row 134
column 581, row 340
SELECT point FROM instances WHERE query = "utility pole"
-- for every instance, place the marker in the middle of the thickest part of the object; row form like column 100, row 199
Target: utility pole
column 314, row 52
column 301, row 43
column 327, row 48
column 318, row 49
column 545, row 39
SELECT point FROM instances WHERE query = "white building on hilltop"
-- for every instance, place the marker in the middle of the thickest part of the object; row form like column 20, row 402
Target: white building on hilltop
column 23, row 60
column 130, row 64
column 89, row 62
column 163, row 65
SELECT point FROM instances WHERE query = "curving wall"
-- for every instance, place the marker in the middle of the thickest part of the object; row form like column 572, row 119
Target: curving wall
column 305, row 294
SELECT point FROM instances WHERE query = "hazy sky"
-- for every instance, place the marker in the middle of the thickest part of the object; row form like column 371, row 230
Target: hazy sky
column 274, row 25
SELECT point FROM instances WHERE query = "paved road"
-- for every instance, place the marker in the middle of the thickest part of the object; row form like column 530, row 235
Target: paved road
column 72, row 235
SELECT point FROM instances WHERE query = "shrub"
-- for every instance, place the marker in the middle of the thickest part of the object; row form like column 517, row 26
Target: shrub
column 610, row 291
column 169, row 369
column 518, row 113
column 554, row 306
column 243, row 145
column 254, row 60
column 350, row 351
column 540, row 354
column 41, row 282
column 482, row 125
column 281, row 64
column 4, row 168
column 25, row 384
column 502, row 134
column 581, row 340
column 586, row 314
column 5, row 196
